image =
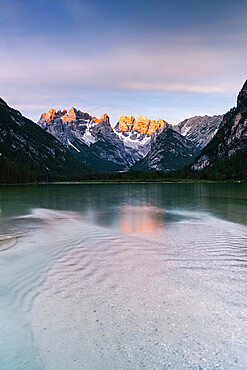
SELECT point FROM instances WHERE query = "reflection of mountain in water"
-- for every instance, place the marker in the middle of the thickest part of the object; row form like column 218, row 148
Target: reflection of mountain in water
column 140, row 218
column 74, row 292
column 103, row 204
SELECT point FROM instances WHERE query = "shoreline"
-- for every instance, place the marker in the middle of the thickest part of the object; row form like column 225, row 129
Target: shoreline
column 87, row 182
column 8, row 241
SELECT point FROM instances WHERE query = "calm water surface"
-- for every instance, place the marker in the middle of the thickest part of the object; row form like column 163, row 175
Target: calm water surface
column 126, row 276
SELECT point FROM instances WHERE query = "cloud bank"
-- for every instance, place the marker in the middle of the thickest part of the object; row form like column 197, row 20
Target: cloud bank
column 80, row 51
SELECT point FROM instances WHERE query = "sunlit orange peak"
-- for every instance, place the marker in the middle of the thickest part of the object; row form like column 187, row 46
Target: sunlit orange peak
column 143, row 124
column 126, row 123
column 103, row 118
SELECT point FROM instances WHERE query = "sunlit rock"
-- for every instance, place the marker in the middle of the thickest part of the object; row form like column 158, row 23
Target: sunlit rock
column 156, row 126
column 142, row 125
column 126, row 123
column 103, row 118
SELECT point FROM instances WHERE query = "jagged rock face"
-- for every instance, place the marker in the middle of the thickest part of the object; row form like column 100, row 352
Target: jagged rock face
column 231, row 136
column 73, row 115
column 126, row 123
column 138, row 135
column 95, row 138
column 142, row 125
column 94, row 141
column 242, row 97
column 103, row 118
column 156, row 126
column 60, row 124
column 91, row 140
column 22, row 141
column 51, row 115
column 199, row 129
column 170, row 151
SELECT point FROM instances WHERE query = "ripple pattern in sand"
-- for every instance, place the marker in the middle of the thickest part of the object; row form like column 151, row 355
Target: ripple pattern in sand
column 173, row 297
column 155, row 300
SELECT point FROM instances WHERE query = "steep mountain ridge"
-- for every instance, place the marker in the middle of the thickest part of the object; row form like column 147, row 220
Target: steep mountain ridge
column 199, row 129
column 91, row 140
column 170, row 152
column 141, row 126
column 231, row 136
column 95, row 142
column 139, row 144
column 139, row 135
column 24, row 143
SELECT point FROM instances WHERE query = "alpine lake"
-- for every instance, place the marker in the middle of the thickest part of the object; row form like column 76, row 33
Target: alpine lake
column 123, row 276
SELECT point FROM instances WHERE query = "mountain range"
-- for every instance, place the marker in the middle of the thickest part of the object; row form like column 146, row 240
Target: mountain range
column 94, row 142
column 65, row 144
column 141, row 144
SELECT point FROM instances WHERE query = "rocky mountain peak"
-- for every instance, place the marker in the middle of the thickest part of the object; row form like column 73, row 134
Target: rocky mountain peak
column 143, row 125
column 103, row 118
column 2, row 102
column 157, row 126
column 126, row 123
column 199, row 129
column 62, row 116
column 61, row 113
column 72, row 110
column 242, row 96
column 230, row 137
column 51, row 115
column 71, row 115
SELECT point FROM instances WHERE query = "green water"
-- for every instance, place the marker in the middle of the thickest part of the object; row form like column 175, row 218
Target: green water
column 227, row 201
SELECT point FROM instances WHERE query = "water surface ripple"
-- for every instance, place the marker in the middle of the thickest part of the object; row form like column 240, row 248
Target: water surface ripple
column 124, row 277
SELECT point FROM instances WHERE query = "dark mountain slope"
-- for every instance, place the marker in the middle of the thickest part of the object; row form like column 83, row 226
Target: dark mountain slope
column 171, row 151
column 231, row 136
column 25, row 146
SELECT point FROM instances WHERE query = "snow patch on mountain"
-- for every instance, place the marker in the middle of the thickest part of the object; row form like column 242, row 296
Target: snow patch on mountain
column 73, row 146
column 139, row 146
column 88, row 138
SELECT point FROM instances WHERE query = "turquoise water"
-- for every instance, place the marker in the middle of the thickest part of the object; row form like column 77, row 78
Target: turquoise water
column 123, row 276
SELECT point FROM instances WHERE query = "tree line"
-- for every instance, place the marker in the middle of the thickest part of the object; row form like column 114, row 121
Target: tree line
column 229, row 169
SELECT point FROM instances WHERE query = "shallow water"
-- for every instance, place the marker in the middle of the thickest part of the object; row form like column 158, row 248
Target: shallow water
column 124, row 276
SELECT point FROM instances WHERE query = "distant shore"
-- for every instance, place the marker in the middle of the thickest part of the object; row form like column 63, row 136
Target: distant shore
column 170, row 181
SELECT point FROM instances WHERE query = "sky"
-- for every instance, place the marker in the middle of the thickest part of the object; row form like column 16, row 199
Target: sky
column 170, row 59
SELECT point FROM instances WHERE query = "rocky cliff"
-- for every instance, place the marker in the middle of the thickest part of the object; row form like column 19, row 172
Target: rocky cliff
column 199, row 129
column 138, row 135
column 170, row 152
column 89, row 139
column 25, row 144
column 95, row 142
column 231, row 136
column 141, row 126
